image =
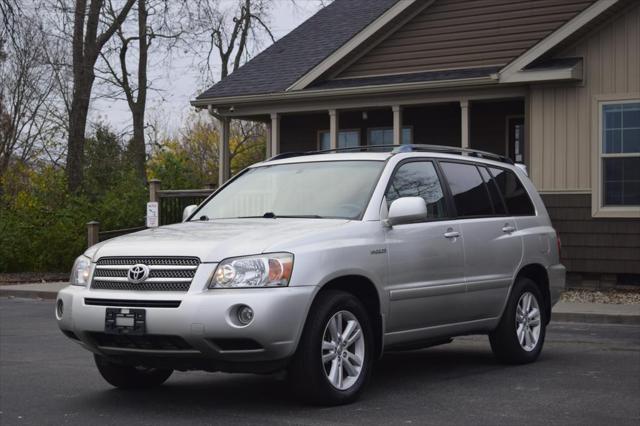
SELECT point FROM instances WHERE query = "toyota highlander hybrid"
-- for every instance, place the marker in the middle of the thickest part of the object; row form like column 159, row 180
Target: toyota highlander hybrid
column 317, row 263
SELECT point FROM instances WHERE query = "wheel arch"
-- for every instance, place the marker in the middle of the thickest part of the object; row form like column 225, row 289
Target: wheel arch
column 538, row 274
column 366, row 291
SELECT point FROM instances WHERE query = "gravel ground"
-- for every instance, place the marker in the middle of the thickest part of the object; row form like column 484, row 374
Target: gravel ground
column 619, row 297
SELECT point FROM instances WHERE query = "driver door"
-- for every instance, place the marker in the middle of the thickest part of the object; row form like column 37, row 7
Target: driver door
column 426, row 282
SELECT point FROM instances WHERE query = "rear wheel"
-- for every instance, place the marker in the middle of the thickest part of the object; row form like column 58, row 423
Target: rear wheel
column 130, row 377
column 333, row 361
column 519, row 337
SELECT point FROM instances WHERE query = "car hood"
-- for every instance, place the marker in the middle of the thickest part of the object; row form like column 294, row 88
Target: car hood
column 214, row 240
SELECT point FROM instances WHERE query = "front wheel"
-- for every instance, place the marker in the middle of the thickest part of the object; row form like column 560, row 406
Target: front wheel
column 333, row 360
column 130, row 377
column 519, row 337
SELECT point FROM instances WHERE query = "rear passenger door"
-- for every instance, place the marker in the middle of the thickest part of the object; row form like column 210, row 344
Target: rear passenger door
column 492, row 247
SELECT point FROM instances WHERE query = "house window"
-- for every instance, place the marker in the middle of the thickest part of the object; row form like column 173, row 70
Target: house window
column 346, row 139
column 384, row 135
column 620, row 154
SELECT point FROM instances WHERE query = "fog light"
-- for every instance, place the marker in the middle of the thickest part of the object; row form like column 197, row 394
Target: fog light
column 245, row 315
column 59, row 308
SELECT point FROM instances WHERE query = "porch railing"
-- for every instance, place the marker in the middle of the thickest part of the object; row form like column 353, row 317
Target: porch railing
column 171, row 204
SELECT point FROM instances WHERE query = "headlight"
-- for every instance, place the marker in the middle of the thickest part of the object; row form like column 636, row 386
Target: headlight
column 81, row 271
column 268, row 270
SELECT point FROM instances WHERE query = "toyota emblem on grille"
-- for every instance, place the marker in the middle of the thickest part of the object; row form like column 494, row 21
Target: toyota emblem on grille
column 138, row 273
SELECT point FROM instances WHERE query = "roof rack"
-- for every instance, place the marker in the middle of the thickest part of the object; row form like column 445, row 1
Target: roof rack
column 398, row 149
column 362, row 148
column 452, row 150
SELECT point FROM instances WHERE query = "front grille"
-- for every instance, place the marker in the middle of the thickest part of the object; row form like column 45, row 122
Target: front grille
column 171, row 261
column 154, row 273
column 150, row 342
column 165, row 273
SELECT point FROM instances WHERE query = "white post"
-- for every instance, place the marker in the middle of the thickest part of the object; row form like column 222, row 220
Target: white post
column 334, row 128
column 224, row 163
column 397, row 124
column 464, row 121
column 275, row 134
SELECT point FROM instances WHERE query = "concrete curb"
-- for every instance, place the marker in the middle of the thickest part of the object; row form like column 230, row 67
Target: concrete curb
column 28, row 294
column 592, row 313
column 33, row 291
column 593, row 318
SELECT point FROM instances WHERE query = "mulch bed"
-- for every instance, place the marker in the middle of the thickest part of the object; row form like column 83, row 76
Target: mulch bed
column 32, row 277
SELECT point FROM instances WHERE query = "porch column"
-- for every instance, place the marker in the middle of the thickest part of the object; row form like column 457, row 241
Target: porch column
column 275, row 134
column 224, row 163
column 334, row 128
column 267, row 148
column 464, row 121
column 397, row 124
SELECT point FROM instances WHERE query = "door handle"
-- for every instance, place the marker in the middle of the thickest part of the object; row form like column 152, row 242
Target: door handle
column 451, row 234
column 508, row 229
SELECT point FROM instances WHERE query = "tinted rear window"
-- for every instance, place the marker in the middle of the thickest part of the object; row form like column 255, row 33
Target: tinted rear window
column 492, row 186
column 515, row 196
column 469, row 193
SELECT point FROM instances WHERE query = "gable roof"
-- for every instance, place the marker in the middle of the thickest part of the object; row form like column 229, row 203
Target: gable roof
column 291, row 57
column 454, row 34
column 312, row 59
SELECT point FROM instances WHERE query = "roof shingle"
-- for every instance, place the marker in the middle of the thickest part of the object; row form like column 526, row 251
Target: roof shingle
column 291, row 57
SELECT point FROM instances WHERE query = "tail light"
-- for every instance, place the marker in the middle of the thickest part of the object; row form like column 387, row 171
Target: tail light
column 559, row 245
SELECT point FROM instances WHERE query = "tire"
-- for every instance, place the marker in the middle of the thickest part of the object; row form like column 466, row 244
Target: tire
column 130, row 377
column 519, row 340
column 347, row 367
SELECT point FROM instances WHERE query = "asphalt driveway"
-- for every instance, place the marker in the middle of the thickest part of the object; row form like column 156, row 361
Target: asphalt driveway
column 588, row 374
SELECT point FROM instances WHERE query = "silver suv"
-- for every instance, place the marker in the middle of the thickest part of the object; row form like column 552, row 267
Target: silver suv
column 319, row 262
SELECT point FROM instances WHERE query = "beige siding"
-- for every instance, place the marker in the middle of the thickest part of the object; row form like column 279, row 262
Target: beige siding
column 562, row 116
column 466, row 33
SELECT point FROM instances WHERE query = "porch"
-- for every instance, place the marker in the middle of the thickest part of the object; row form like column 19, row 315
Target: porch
column 494, row 123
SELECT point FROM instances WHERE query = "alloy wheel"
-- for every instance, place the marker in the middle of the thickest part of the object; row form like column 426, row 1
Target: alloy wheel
column 528, row 321
column 343, row 350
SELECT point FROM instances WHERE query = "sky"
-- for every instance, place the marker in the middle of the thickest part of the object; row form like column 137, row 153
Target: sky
column 177, row 82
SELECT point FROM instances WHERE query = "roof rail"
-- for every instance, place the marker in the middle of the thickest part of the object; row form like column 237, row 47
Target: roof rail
column 398, row 149
column 328, row 151
column 451, row 150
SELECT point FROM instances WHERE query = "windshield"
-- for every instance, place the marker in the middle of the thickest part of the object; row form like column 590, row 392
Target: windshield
column 327, row 189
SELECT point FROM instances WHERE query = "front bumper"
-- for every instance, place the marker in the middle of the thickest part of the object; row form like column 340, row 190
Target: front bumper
column 203, row 320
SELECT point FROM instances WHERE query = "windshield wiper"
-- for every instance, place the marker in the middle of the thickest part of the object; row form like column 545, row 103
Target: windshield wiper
column 272, row 215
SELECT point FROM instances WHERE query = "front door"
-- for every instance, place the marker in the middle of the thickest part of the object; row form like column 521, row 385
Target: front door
column 426, row 264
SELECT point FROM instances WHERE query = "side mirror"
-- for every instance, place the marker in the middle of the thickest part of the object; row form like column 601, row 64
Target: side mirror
column 407, row 210
column 188, row 211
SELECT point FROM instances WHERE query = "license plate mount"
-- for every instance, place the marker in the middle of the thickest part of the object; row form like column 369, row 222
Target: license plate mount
column 125, row 321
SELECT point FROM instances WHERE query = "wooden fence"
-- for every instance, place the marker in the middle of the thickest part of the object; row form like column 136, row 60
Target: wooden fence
column 171, row 205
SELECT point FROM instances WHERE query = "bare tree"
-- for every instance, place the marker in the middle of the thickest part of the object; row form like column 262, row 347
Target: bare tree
column 155, row 20
column 231, row 34
column 90, row 34
column 26, row 83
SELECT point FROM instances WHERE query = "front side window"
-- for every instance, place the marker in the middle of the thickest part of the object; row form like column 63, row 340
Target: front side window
column 469, row 192
column 515, row 196
column 419, row 179
column 346, row 139
column 620, row 154
column 325, row 189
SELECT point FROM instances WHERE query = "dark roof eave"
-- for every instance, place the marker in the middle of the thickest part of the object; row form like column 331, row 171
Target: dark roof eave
column 309, row 94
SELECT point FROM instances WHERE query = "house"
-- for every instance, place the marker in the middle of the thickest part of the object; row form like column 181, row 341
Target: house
column 554, row 84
